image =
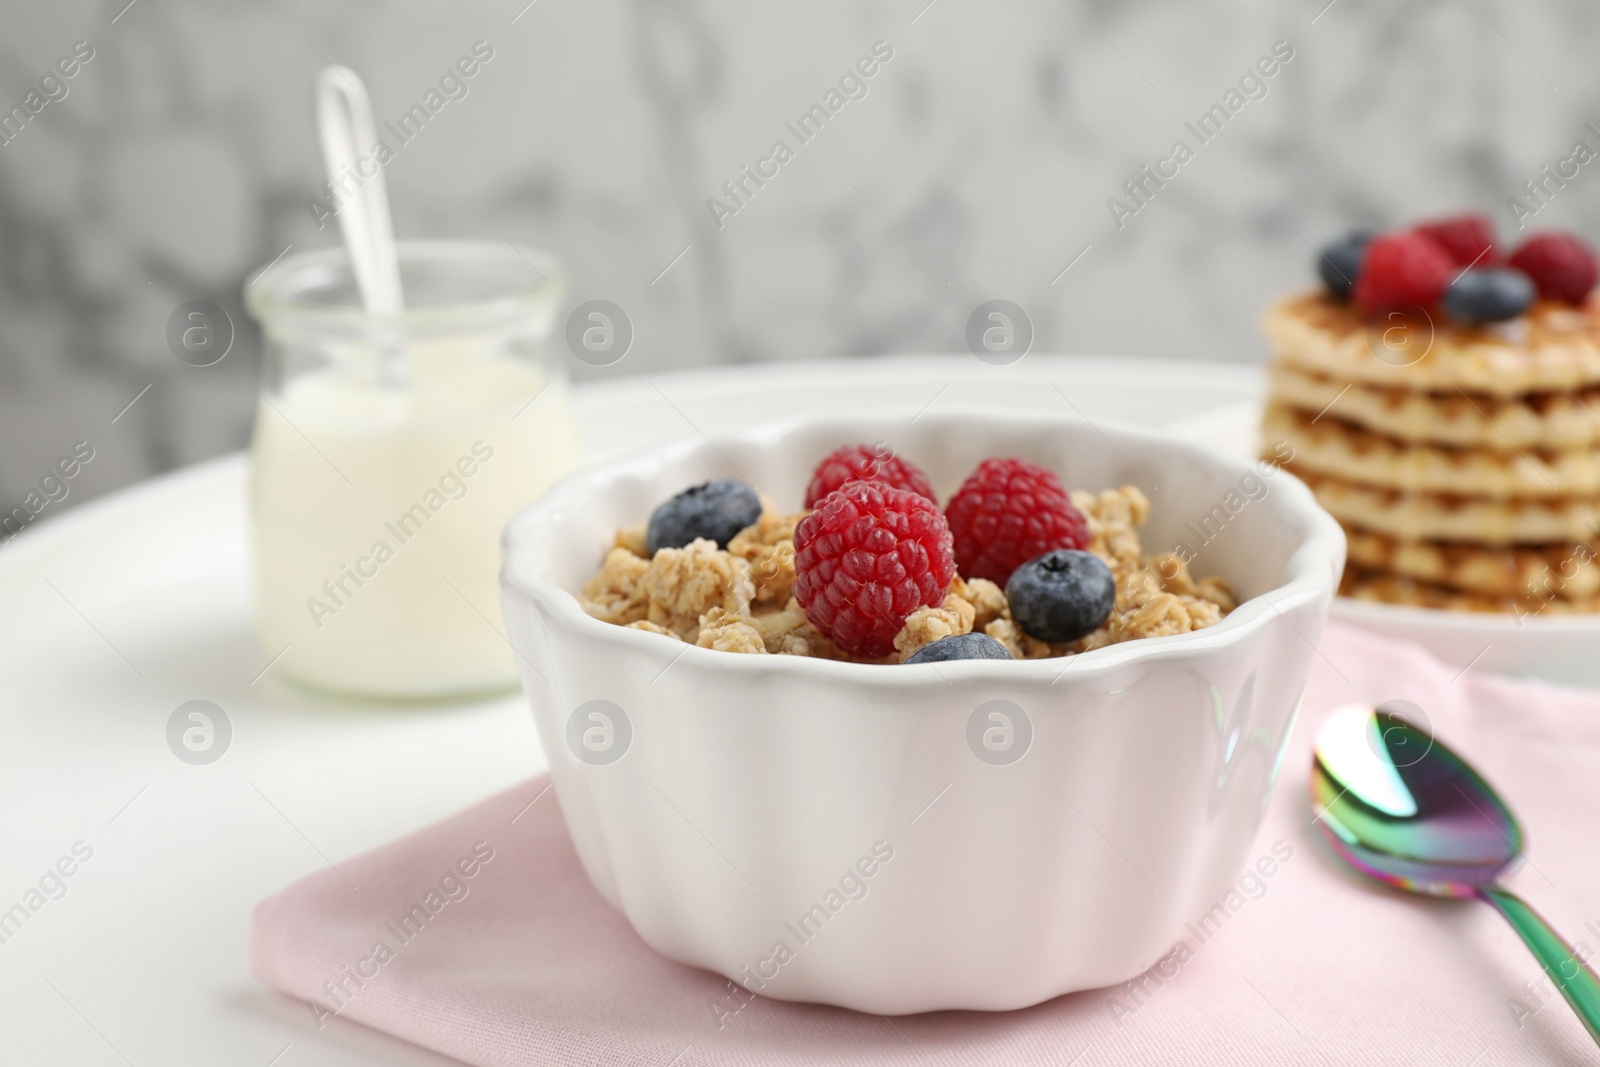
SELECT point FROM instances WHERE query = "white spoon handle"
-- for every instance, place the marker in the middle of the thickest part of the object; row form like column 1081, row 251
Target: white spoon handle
column 344, row 124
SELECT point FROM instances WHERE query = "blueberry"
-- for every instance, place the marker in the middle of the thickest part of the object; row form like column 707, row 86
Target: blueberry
column 713, row 510
column 1489, row 295
column 960, row 646
column 1340, row 262
column 1061, row 595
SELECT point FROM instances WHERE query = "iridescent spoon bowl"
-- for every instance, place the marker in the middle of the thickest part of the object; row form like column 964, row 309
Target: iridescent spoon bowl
column 1400, row 807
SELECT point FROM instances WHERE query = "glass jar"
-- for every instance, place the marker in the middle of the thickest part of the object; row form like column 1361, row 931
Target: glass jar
column 389, row 451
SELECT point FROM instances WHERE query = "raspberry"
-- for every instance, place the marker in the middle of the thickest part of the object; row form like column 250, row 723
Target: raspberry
column 1562, row 266
column 1008, row 512
column 1402, row 271
column 867, row 557
column 1467, row 239
column 867, row 463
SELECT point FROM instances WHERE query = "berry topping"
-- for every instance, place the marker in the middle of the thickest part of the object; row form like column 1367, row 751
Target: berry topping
column 1488, row 295
column 1006, row 513
column 960, row 646
column 1562, row 266
column 1467, row 239
column 1402, row 271
column 867, row 557
column 1061, row 595
column 713, row 510
column 1340, row 262
column 867, row 463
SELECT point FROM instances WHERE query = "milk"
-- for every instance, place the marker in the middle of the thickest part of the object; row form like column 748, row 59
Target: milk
column 378, row 507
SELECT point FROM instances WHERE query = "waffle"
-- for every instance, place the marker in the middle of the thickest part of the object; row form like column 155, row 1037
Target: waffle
column 1392, row 589
column 1551, row 348
column 1463, row 461
column 1330, row 446
column 1550, row 421
column 1566, row 571
column 1443, row 517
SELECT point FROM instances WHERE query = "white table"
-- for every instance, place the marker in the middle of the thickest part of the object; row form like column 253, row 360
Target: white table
column 119, row 611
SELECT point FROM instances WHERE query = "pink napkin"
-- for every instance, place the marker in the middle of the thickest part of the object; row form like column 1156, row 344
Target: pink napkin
column 481, row 938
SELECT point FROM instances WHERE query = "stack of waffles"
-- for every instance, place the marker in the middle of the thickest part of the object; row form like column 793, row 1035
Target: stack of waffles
column 1463, row 460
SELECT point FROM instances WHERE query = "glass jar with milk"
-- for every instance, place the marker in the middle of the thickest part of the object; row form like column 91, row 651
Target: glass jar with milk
column 389, row 452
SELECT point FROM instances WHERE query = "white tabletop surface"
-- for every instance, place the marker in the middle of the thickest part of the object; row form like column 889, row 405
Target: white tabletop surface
column 118, row 611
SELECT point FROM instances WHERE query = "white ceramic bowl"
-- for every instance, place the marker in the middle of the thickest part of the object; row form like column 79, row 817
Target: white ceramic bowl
column 719, row 798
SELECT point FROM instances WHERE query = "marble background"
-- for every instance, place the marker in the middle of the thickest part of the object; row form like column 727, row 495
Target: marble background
column 979, row 165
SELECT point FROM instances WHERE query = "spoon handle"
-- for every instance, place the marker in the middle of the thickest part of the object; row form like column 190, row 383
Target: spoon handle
column 1570, row 974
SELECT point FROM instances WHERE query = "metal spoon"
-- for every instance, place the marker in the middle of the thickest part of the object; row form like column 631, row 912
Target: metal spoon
column 1400, row 807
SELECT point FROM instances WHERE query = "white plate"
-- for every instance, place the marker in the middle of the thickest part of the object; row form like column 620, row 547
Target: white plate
column 151, row 607
column 1556, row 648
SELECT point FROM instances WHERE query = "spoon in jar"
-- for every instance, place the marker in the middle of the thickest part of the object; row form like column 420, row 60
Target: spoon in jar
column 1400, row 807
column 345, row 129
column 360, row 196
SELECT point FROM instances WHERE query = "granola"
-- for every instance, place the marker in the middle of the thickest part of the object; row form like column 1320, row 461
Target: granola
column 633, row 539
column 927, row 625
column 617, row 594
column 768, row 546
column 672, row 591
column 729, row 633
column 739, row 599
